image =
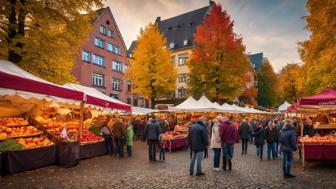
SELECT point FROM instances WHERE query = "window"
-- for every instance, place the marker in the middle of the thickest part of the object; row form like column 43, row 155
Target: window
column 99, row 42
column 181, row 92
column 109, row 47
column 102, row 30
column 185, row 42
column 182, row 78
column 129, row 101
column 117, row 66
column 115, row 96
column 116, row 84
column 171, row 45
column 182, row 60
column 86, row 56
column 116, row 50
column 125, row 67
column 110, row 33
column 99, row 60
column 98, row 80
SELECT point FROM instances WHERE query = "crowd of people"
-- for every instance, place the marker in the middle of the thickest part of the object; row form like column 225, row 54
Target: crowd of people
column 279, row 134
column 218, row 134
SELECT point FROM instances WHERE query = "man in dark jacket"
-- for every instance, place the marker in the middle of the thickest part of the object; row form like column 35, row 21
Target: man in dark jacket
column 244, row 133
column 119, row 133
column 152, row 132
column 288, row 145
column 271, row 135
column 198, row 142
column 228, row 133
column 259, row 139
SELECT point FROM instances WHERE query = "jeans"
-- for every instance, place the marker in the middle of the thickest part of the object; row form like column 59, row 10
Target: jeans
column 129, row 150
column 152, row 145
column 196, row 156
column 260, row 150
column 108, row 143
column 162, row 153
column 120, row 147
column 271, row 150
column 244, row 145
column 287, row 158
column 228, row 150
column 217, row 152
column 276, row 149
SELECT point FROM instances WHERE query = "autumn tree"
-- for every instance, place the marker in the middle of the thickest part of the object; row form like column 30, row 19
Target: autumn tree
column 267, row 80
column 318, row 52
column 218, row 65
column 45, row 37
column 288, row 86
column 151, row 70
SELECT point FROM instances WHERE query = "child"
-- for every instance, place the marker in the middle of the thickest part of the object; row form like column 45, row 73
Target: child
column 130, row 136
column 162, row 147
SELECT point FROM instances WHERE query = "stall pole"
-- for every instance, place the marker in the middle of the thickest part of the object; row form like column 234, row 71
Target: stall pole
column 81, row 120
column 301, row 122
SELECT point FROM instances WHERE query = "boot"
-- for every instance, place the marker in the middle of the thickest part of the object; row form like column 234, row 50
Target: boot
column 224, row 163
column 230, row 163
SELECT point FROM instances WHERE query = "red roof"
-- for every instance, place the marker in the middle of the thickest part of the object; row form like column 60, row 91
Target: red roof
column 324, row 98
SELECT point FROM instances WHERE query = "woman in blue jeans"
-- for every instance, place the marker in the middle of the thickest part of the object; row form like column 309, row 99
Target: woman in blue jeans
column 216, row 142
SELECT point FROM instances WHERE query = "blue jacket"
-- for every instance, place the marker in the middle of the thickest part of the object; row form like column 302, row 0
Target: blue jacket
column 198, row 137
column 287, row 138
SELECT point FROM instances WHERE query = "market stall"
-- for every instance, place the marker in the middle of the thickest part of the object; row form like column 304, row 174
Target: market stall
column 174, row 140
column 320, row 110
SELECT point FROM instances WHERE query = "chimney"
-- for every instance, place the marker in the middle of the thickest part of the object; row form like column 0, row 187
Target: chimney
column 158, row 19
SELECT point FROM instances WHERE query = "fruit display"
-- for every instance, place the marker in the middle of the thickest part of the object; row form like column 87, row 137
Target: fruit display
column 34, row 142
column 181, row 128
column 13, row 121
column 43, row 119
column 171, row 135
column 89, row 137
column 55, row 128
column 99, row 120
column 329, row 139
column 14, row 132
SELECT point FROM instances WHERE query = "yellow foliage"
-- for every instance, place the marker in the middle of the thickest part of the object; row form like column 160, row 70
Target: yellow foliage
column 151, row 70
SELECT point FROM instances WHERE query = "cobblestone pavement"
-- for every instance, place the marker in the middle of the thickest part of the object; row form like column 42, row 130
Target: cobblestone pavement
column 137, row 172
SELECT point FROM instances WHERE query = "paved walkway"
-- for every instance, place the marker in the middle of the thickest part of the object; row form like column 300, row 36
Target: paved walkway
column 137, row 172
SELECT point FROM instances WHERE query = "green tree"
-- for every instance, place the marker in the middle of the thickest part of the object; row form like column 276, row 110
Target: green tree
column 218, row 65
column 151, row 70
column 318, row 52
column 45, row 37
column 267, row 80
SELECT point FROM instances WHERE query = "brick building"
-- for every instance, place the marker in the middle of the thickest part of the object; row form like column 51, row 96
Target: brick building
column 103, row 59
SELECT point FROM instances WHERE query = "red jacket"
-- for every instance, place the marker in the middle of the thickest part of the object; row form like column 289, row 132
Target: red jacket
column 228, row 132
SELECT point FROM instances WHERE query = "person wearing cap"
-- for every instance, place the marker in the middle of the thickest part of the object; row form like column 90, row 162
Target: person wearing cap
column 198, row 142
column 216, row 142
column 228, row 132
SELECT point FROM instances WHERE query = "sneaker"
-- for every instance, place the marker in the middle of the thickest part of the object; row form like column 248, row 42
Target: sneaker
column 200, row 174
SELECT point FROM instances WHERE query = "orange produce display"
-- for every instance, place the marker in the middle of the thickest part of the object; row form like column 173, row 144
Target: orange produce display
column 14, row 132
column 55, row 128
column 171, row 135
column 329, row 139
column 13, row 121
column 34, row 142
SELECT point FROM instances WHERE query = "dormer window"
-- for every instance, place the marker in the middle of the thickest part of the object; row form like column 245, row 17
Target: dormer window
column 171, row 45
column 169, row 28
column 185, row 42
column 178, row 26
column 190, row 24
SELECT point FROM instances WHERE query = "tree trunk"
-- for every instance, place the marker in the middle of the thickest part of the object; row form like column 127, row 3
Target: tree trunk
column 12, row 26
column 21, row 28
column 152, row 102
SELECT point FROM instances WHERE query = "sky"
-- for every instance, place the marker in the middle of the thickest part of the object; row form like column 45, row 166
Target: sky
column 273, row 27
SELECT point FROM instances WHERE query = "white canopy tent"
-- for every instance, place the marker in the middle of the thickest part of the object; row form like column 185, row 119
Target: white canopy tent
column 284, row 106
column 191, row 105
column 142, row 111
